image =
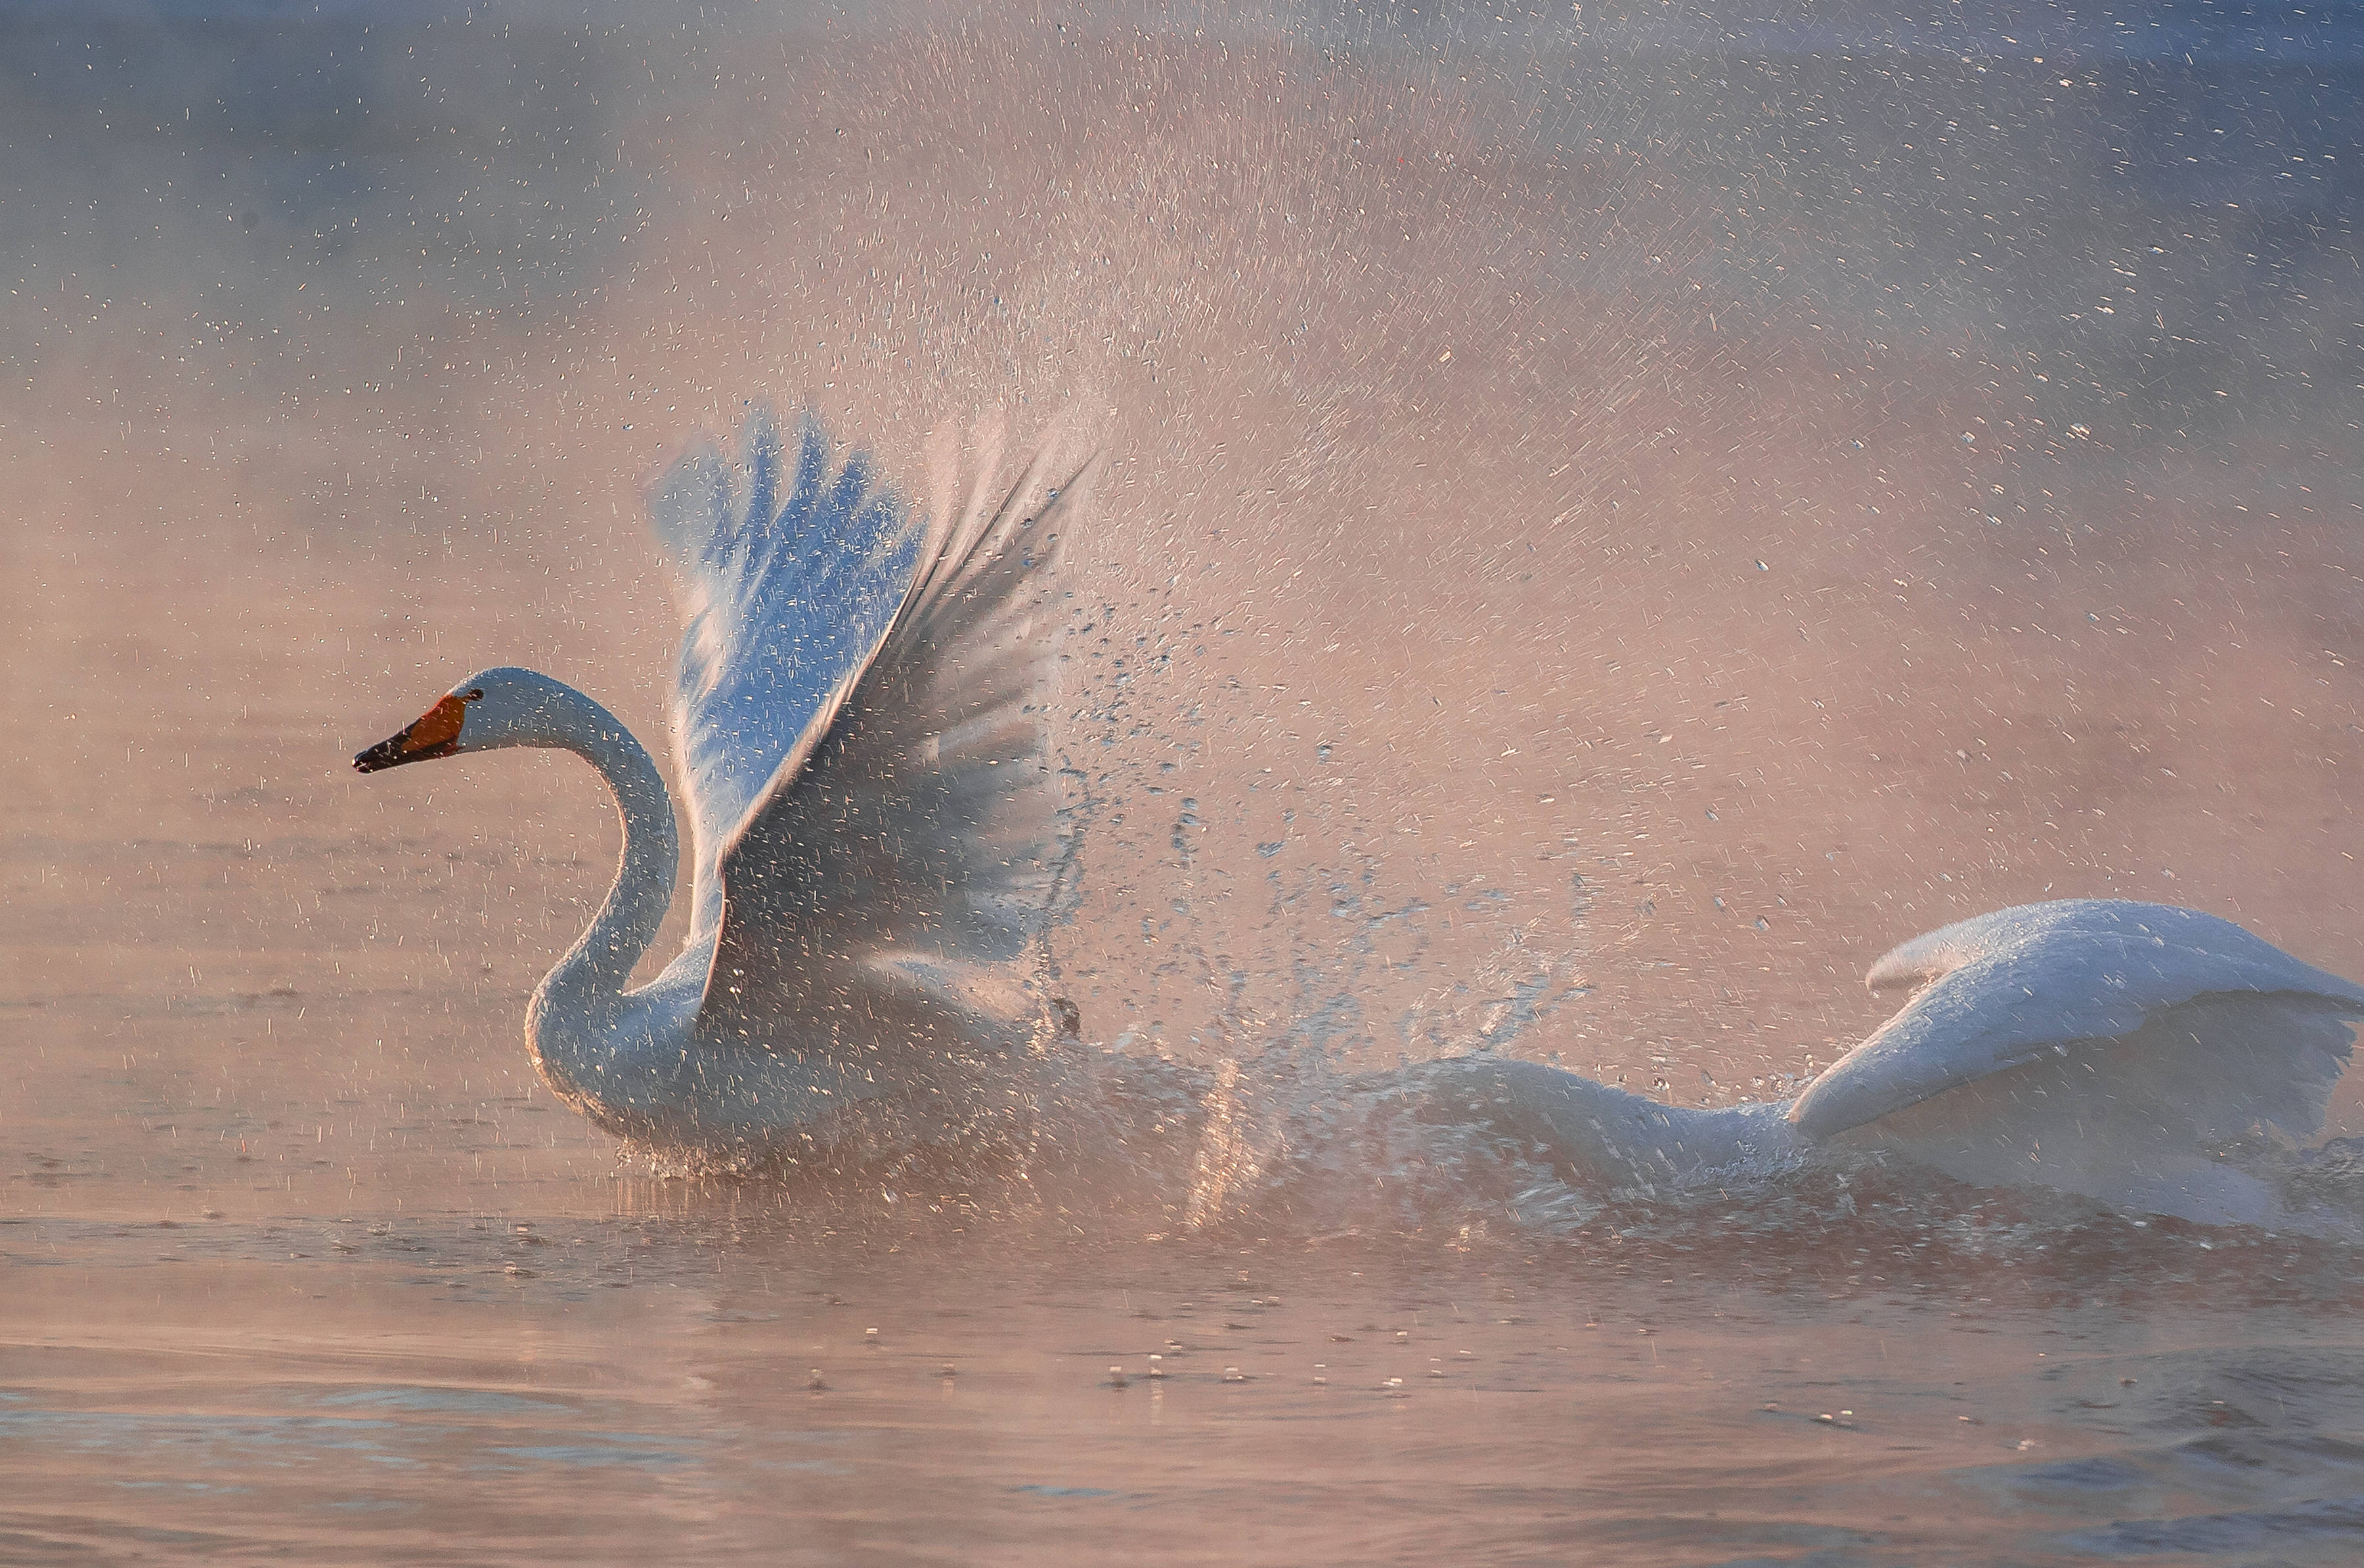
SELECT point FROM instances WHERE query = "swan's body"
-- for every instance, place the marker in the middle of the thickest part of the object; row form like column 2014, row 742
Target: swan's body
column 875, row 854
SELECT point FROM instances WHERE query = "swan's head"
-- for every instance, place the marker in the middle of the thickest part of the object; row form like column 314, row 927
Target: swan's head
column 489, row 709
column 1918, row 962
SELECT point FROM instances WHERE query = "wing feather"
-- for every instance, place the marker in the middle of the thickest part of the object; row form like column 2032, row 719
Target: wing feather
column 789, row 579
column 881, row 891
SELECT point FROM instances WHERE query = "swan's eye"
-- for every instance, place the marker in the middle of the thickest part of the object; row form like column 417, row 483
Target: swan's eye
column 477, row 694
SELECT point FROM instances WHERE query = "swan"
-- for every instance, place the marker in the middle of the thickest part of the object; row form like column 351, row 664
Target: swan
column 873, row 837
column 876, row 851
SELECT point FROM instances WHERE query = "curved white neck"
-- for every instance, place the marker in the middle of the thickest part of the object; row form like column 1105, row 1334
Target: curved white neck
column 591, row 976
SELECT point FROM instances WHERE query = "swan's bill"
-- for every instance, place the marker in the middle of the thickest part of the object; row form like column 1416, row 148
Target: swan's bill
column 435, row 733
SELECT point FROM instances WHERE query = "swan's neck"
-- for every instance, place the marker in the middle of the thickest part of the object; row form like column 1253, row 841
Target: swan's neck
column 585, row 985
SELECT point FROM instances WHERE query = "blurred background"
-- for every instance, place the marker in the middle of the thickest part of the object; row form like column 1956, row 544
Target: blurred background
column 1615, row 516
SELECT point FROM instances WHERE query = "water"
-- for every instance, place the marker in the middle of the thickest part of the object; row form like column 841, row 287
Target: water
column 1544, row 598
column 641, row 1381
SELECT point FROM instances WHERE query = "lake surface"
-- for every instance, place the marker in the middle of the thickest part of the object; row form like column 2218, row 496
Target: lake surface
column 699, row 1380
column 1614, row 521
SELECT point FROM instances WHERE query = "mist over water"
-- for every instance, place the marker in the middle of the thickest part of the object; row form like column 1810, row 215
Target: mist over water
column 1613, row 518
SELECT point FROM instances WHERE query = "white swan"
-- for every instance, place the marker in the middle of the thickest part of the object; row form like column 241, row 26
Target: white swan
column 873, row 818
column 875, row 854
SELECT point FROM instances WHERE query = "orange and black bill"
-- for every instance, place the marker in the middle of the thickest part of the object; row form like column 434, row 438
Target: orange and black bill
column 435, row 733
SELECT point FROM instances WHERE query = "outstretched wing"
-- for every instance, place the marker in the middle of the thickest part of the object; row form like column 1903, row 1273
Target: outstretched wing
column 2006, row 989
column 907, row 853
column 790, row 577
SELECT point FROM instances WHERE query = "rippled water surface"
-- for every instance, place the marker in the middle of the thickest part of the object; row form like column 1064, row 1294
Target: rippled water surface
column 707, row 1385
column 1613, row 518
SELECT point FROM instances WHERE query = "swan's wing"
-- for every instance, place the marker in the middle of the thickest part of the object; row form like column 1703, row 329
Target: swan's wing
column 903, row 858
column 2005, row 989
column 790, row 577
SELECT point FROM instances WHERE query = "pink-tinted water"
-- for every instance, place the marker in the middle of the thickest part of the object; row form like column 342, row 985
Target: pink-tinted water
column 702, row 1386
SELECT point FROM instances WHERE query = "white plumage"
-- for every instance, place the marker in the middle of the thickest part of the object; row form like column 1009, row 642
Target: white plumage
column 2005, row 990
column 2098, row 1046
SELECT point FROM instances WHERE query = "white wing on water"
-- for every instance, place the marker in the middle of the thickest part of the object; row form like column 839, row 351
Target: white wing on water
column 2227, row 1028
column 902, row 852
